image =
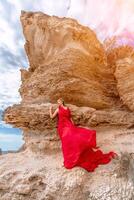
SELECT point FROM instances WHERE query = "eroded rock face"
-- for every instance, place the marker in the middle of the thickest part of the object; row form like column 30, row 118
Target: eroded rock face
column 40, row 132
column 66, row 59
column 121, row 60
column 124, row 74
column 35, row 176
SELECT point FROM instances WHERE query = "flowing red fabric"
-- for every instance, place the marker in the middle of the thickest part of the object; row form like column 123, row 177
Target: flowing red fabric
column 79, row 144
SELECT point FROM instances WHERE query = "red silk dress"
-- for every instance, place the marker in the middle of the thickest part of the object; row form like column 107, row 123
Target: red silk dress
column 79, row 144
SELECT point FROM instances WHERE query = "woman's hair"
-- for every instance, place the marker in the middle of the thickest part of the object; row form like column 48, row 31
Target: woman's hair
column 62, row 101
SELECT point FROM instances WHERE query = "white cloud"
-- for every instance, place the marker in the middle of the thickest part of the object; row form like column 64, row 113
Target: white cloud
column 107, row 18
column 10, row 81
column 12, row 55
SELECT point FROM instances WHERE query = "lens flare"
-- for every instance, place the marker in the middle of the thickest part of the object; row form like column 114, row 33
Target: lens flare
column 107, row 17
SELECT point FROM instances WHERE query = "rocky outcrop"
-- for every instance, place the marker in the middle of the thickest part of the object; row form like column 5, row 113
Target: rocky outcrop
column 67, row 60
column 40, row 131
column 121, row 60
column 37, row 175
column 124, row 74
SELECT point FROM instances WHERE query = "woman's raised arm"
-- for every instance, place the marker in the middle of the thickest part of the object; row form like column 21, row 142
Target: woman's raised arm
column 53, row 115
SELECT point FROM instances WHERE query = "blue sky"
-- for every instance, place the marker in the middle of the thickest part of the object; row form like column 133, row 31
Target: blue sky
column 105, row 17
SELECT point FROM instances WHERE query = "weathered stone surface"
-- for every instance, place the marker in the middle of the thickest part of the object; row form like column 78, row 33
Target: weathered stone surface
column 121, row 60
column 40, row 131
column 36, row 176
column 67, row 60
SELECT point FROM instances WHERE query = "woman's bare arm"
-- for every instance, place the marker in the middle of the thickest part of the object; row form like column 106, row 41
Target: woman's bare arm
column 53, row 115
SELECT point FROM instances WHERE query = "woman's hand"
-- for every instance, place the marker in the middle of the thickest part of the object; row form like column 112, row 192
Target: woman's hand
column 52, row 115
column 50, row 108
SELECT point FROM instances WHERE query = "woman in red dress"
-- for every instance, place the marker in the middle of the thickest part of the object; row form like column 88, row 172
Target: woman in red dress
column 78, row 143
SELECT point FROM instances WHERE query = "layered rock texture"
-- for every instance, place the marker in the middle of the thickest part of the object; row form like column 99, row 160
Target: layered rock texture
column 66, row 59
column 97, row 82
column 121, row 61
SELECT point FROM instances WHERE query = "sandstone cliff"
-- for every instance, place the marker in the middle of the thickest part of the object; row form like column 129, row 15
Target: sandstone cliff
column 66, row 59
column 121, row 60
